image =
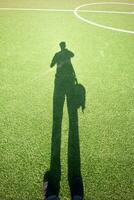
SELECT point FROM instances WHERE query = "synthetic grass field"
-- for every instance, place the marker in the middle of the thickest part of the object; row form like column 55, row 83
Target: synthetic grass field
column 104, row 64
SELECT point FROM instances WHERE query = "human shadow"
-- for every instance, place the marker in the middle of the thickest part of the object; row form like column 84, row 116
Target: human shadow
column 66, row 87
column 74, row 161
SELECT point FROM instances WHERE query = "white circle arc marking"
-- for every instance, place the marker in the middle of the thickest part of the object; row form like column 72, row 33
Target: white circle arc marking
column 100, row 25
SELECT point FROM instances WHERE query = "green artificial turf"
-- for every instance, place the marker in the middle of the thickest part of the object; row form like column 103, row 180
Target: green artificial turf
column 104, row 64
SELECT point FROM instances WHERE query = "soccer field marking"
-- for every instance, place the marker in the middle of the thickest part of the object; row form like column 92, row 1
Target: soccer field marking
column 66, row 10
column 106, row 12
column 37, row 9
column 78, row 10
column 100, row 25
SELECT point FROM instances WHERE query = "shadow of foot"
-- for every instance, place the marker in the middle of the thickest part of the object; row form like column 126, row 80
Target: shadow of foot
column 77, row 188
column 50, row 186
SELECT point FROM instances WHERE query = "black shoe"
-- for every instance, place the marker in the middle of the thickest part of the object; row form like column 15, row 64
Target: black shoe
column 77, row 188
column 77, row 197
column 47, row 187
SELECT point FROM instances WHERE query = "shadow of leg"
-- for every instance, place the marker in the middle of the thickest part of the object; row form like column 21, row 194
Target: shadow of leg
column 54, row 175
column 74, row 168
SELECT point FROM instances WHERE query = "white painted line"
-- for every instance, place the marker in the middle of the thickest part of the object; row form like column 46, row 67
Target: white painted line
column 78, row 10
column 65, row 10
column 106, row 12
column 36, row 9
column 100, row 25
column 112, row 3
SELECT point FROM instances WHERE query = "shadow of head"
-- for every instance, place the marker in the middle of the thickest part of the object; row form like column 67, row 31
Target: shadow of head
column 62, row 45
